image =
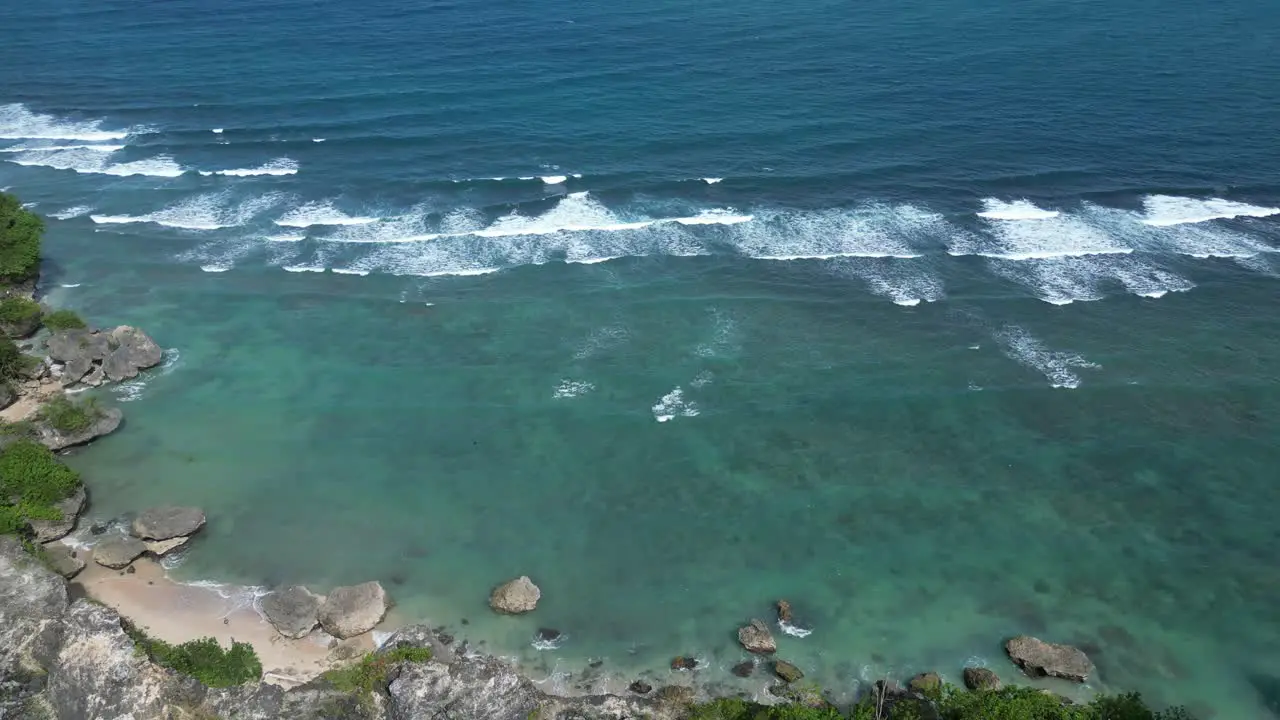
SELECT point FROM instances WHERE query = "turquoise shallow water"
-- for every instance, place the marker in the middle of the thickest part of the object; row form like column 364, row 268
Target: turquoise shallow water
column 944, row 325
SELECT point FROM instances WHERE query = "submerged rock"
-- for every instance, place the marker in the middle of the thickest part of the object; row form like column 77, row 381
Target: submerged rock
column 675, row 696
column 977, row 678
column 292, row 610
column 640, row 687
column 64, row 561
column 549, row 634
column 515, row 596
column 353, row 610
column 165, row 523
column 71, row 507
column 786, row 671
column 683, row 662
column 744, row 669
column 116, row 553
column 1038, row 658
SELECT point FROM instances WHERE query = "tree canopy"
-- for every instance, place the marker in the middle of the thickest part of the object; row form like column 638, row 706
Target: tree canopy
column 20, row 231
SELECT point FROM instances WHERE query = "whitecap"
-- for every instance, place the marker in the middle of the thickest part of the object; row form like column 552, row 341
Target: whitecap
column 217, row 131
column 1057, row 367
column 572, row 388
column 1168, row 210
column 464, row 272
column 794, row 631
column 19, row 123
column 73, row 212
column 554, row 179
column 347, row 271
column 287, row 237
column 215, row 268
column 712, row 181
column 70, row 285
column 1013, row 211
column 320, row 213
column 673, row 405
column 317, row 140
column 714, row 217
column 212, row 211
column 86, row 161
column 56, row 148
column 302, row 268
column 277, row 167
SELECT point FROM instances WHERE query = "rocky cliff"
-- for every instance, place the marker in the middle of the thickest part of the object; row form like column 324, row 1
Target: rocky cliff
column 71, row 660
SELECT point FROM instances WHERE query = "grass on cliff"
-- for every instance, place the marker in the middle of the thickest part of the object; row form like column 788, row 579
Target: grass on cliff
column 20, row 232
column 17, row 310
column 67, row 416
column 1011, row 703
column 64, row 320
column 12, row 362
column 370, row 674
column 203, row 659
column 31, row 481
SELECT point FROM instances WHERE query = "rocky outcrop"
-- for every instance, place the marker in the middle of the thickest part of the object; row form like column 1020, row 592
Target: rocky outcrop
column 353, row 610
column 756, row 638
column 63, row 560
column 32, row 602
column 978, row 678
column 786, row 671
column 1038, row 658
column 784, row 611
column 48, row 530
column 515, row 596
column 292, row 610
column 160, row 548
column 117, row 552
column 166, row 523
column 106, row 422
column 93, row 356
column 926, row 683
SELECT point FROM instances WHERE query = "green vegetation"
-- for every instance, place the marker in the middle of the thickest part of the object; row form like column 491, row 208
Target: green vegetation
column 1011, row 703
column 31, row 481
column 66, row 416
column 64, row 320
column 20, row 232
column 19, row 311
column 12, row 362
column 370, row 674
column 203, row 659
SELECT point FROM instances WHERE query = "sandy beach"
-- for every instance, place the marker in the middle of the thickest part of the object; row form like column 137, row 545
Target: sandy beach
column 176, row 613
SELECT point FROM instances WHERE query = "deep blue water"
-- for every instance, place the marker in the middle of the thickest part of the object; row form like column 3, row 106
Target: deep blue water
column 945, row 321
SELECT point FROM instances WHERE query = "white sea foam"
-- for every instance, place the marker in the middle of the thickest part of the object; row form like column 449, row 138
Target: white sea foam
column 792, row 630
column 279, row 166
column 211, row 211
column 54, row 148
column 1167, row 210
column 712, row 181
column 70, row 285
column 554, row 179
column 217, row 131
column 287, row 237
column 320, row 213
column 995, row 209
column 317, row 140
column 72, row 212
column 714, row 217
column 673, row 405
column 1057, row 367
column 600, row 340
column 131, row 390
column 876, row 230
column 903, row 283
column 572, row 388
column 462, row 272
column 19, row 123
column 90, row 161
column 302, row 268
column 346, row 271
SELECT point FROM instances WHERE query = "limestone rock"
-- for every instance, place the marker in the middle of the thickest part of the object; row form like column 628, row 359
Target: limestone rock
column 786, row 671
column 353, row 610
column 756, row 638
column 32, row 602
column 160, row 548
column 75, row 369
column 47, row 530
column 926, row 683
column 515, row 596
column 107, row 422
column 163, row 523
column 66, row 346
column 675, row 696
column 292, row 610
column 21, row 328
column 118, row 552
column 64, row 561
column 1038, row 658
column 977, row 678
column 95, row 377
column 141, row 351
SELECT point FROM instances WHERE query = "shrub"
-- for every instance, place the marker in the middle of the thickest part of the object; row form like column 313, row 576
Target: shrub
column 20, row 231
column 12, row 362
column 66, row 416
column 203, row 659
column 370, row 674
column 64, row 320
column 17, row 310
column 31, row 481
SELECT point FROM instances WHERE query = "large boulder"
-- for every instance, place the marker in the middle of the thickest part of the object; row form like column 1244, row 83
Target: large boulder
column 353, row 610
column 926, row 683
column 117, row 552
column 786, row 671
column 292, row 610
column 164, row 523
column 160, row 548
column 756, row 638
column 66, row 346
column 1038, row 658
column 71, row 507
column 142, row 352
column 63, row 560
column 107, row 421
column 515, row 596
column 980, row 678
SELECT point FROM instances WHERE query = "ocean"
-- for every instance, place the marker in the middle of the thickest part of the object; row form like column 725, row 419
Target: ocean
column 943, row 322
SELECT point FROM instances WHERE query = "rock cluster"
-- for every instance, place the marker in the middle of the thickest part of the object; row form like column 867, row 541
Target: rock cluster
column 92, row 357
column 157, row 531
